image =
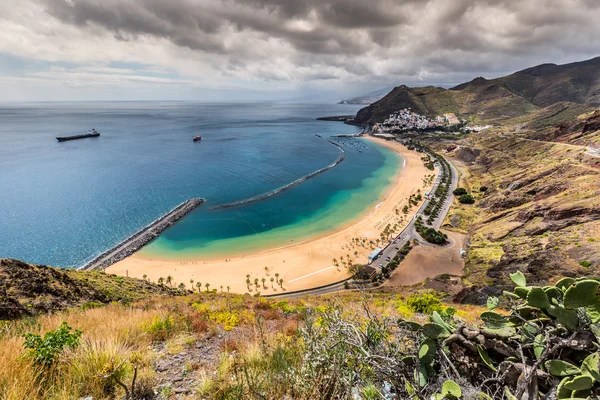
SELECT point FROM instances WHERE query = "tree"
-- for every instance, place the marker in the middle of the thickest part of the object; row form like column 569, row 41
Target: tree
column 145, row 276
column 221, row 288
column 459, row 191
column 199, row 286
column 248, row 283
column 161, row 280
column 267, row 270
column 256, row 283
column 466, row 199
column 182, row 286
column 263, row 282
column 170, row 280
column 272, row 280
column 228, row 289
column 207, row 286
column 192, row 284
column 483, row 189
column 281, row 283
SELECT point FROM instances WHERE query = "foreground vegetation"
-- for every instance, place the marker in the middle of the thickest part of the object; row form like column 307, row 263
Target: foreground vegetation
column 201, row 346
column 529, row 343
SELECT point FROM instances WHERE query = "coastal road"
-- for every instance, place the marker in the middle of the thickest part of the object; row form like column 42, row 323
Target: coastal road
column 391, row 250
column 409, row 232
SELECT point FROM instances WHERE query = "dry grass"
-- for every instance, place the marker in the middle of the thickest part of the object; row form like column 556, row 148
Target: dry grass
column 117, row 338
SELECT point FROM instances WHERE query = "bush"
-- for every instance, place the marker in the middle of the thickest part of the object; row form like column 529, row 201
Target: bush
column 585, row 263
column 161, row 327
column 91, row 304
column 425, row 303
column 44, row 350
column 483, row 189
column 459, row 191
column 466, row 199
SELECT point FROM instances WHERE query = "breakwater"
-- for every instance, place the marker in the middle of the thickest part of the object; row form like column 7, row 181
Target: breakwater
column 142, row 237
column 272, row 193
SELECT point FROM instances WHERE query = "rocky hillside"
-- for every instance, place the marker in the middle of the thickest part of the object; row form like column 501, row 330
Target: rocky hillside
column 497, row 99
column 541, row 211
column 27, row 289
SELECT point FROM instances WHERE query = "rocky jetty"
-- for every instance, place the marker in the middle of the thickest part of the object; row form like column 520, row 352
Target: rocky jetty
column 289, row 185
column 143, row 237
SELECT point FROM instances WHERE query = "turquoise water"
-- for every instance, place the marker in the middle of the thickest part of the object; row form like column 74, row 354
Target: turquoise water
column 185, row 241
column 64, row 203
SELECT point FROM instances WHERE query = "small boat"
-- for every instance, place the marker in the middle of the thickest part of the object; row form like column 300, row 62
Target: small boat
column 197, row 138
column 92, row 133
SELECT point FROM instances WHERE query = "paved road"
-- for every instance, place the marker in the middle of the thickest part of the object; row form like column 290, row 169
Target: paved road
column 407, row 234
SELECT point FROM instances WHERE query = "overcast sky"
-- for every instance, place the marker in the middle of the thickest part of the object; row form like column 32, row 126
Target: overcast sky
column 277, row 49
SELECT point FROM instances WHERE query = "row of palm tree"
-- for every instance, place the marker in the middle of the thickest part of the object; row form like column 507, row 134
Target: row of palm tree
column 264, row 281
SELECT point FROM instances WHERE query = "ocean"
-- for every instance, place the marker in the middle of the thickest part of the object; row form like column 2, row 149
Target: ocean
column 62, row 204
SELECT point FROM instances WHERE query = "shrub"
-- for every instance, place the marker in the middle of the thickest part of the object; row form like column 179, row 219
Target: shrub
column 161, row 327
column 91, row 304
column 459, row 191
column 466, row 199
column 425, row 303
column 44, row 350
column 585, row 263
column 483, row 189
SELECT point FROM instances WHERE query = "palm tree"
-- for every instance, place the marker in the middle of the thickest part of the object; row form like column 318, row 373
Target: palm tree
column 161, row 280
column 170, row 280
column 263, row 282
column 277, row 276
column 272, row 280
column 207, row 286
column 199, row 286
column 192, row 283
column 228, row 289
column 145, row 276
column 281, row 283
column 266, row 270
column 247, row 283
column 256, row 283
column 182, row 286
column 221, row 288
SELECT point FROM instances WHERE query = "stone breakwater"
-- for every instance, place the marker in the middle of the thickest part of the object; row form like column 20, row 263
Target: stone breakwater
column 272, row 193
column 142, row 237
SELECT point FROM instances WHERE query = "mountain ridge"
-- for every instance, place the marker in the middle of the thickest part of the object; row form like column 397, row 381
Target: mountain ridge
column 517, row 94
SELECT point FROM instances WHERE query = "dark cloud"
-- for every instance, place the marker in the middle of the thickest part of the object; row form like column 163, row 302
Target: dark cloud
column 383, row 40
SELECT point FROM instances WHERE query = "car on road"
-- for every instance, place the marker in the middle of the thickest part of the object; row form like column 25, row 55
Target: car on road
column 387, row 258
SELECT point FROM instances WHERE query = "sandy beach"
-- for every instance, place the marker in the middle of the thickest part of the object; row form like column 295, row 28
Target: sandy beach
column 301, row 265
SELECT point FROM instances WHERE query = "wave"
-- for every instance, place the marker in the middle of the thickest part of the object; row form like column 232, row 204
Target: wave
column 272, row 193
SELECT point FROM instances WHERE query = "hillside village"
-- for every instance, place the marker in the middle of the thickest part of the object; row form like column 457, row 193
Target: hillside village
column 406, row 120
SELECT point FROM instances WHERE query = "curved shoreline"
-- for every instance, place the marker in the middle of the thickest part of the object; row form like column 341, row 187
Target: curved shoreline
column 301, row 265
column 289, row 185
column 142, row 237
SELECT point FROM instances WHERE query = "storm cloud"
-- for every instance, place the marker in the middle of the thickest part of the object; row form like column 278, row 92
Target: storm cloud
column 265, row 44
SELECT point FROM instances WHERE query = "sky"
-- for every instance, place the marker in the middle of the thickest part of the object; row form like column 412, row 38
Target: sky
column 223, row 50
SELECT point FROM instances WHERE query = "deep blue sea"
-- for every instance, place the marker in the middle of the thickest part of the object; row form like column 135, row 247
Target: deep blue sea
column 63, row 203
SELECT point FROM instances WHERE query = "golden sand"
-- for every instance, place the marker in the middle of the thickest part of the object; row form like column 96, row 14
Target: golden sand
column 301, row 265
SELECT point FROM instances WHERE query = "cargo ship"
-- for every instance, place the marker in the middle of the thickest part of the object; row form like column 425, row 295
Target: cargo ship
column 92, row 133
